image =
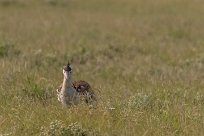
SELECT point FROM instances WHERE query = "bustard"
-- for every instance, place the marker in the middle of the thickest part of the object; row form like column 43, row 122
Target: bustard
column 72, row 92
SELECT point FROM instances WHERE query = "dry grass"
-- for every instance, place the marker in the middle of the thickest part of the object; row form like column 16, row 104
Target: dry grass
column 143, row 58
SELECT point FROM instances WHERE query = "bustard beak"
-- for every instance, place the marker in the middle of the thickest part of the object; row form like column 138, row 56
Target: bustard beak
column 68, row 67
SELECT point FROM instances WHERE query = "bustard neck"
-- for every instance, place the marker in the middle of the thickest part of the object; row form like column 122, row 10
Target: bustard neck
column 67, row 82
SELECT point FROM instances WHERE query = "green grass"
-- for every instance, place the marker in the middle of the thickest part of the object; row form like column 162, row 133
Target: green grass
column 144, row 59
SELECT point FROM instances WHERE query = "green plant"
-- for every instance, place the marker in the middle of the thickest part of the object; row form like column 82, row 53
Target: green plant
column 7, row 48
column 33, row 90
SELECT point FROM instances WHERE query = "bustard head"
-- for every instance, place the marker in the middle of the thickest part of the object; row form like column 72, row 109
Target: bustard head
column 67, row 71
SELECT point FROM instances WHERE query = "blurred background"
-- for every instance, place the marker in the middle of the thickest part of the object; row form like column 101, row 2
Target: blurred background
column 144, row 58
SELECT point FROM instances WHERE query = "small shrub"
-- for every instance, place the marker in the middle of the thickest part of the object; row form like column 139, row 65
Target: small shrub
column 57, row 128
column 6, row 3
column 7, row 49
column 198, row 98
column 56, row 2
column 52, row 2
column 6, row 134
column 4, row 49
column 179, row 34
column 141, row 100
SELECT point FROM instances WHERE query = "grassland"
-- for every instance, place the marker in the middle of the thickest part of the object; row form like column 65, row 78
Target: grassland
column 144, row 59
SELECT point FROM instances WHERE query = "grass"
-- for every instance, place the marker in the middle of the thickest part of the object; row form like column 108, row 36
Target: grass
column 144, row 60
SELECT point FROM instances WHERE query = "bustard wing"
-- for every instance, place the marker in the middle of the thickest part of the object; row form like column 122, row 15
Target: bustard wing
column 59, row 88
column 81, row 86
column 84, row 88
column 58, row 92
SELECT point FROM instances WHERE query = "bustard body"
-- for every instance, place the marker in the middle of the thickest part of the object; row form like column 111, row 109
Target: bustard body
column 70, row 92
